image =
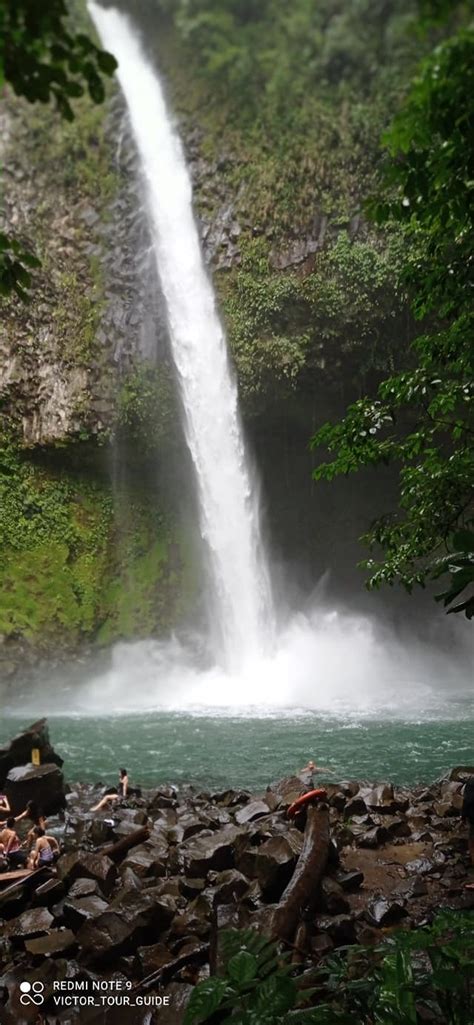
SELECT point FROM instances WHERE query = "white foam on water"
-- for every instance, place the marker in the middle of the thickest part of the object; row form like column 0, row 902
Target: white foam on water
column 326, row 663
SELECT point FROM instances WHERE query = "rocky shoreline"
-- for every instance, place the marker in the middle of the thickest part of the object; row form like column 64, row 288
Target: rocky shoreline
column 141, row 892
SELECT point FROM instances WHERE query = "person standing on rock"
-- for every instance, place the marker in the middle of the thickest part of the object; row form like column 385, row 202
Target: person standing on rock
column 468, row 816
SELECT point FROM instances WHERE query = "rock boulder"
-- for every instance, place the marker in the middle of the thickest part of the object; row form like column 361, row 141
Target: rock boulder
column 43, row 784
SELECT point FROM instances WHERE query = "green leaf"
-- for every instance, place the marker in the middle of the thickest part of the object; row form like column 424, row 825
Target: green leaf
column 106, row 62
column 205, row 999
column 242, row 968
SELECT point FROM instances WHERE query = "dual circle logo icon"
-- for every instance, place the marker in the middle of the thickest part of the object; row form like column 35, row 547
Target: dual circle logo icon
column 32, row 993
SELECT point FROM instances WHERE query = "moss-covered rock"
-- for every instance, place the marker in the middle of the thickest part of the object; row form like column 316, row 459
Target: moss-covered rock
column 72, row 569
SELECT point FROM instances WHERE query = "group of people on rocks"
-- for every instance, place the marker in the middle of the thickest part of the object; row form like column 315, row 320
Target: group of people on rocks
column 39, row 848
column 36, row 850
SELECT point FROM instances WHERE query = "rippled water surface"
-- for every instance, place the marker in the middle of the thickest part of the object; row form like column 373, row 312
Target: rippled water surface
column 221, row 750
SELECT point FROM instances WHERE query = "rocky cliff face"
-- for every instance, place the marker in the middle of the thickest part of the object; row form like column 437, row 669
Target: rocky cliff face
column 69, row 194
column 90, row 534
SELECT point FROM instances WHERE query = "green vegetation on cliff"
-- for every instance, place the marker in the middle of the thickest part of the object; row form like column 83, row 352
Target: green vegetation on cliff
column 302, row 92
column 290, row 101
column 73, row 569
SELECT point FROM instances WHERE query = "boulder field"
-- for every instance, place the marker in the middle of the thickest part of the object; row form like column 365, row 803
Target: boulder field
column 142, row 890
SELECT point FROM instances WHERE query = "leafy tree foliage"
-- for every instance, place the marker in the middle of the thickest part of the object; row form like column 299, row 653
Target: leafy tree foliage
column 43, row 59
column 421, row 419
column 267, row 56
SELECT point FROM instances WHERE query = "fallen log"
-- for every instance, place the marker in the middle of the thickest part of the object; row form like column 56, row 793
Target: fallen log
column 165, row 973
column 307, row 875
column 117, row 850
column 22, row 882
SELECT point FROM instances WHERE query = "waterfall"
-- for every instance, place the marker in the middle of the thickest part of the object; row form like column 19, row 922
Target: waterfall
column 240, row 609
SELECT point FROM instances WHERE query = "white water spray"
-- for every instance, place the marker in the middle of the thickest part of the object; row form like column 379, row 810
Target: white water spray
column 241, row 608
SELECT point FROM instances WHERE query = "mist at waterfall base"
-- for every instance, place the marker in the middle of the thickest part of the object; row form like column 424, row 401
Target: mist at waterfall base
column 263, row 688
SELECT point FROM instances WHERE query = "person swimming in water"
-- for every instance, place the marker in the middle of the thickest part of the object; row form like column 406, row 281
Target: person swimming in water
column 311, row 767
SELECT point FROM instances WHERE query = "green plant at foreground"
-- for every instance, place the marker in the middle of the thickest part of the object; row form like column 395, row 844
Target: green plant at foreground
column 426, row 974
column 257, row 986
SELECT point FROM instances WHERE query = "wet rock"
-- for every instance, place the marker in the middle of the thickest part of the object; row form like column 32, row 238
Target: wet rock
column 18, row 751
column 99, row 831
column 371, row 838
column 381, row 912
column 230, row 798
column 165, row 797
column 420, row 866
column 80, row 864
column 228, row 886
column 355, row 806
column 273, row 862
column 333, row 899
column 417, row 822
column 251, row 811
column 448, row 808
column 84, row 888
column 80, row 910
column 340, row 928
column 289, row 789
column 129, row 879
column 43, row 784
column 194, row 921
column 410, row 888
column 188, row 825
column 172, row 887
column 350, row 880
column 382, row 798
column 397, row 827
column 216, row 851
column 461, row 773
column 54, row 942
column 191, row 887
column 337, row 798
column 147, row 859
column 48, row 893
column 127, row 920
column 154, row 957
column 30, row 923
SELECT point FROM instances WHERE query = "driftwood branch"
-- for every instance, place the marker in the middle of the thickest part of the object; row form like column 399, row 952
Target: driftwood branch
column 307, row 875
column 117, row 850
column 197, row 956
